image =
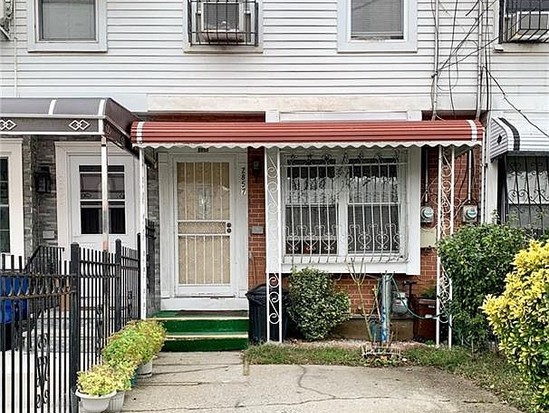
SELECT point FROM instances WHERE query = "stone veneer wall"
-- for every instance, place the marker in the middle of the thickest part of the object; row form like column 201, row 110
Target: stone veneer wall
column 153, row 303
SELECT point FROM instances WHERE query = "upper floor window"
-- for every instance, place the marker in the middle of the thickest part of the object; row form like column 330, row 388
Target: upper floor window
column 223, row 22
column 377, row 25
column 67, row 25
column 377, row 19
column 524, row 21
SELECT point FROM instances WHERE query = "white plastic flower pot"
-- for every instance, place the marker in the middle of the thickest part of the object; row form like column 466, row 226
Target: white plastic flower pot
column 145, row 370
column 95, row 404
column 117, row 402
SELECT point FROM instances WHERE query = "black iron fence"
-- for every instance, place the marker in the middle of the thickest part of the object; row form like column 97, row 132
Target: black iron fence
column 55, row 317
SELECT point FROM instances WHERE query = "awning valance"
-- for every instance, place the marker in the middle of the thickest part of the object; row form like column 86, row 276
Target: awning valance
column 66, row 117
column 510, row 134
column 307, row 134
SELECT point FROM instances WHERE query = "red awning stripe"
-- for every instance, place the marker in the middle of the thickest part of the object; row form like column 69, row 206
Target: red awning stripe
column 304, row 133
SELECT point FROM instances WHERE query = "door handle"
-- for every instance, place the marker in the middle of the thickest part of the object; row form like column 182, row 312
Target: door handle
column 228, row 227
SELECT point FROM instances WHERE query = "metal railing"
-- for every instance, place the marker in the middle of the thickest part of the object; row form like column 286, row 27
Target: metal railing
column 524, row 21
column 55, row 317
column 223, row 22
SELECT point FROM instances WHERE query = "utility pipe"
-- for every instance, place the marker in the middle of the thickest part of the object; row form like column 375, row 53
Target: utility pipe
column 435, row 76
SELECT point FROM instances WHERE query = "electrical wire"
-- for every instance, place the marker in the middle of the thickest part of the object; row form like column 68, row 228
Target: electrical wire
column 519, row 111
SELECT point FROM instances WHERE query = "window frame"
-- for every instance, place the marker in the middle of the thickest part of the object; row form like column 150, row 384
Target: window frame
column 11, row 148
column 34, row 44
column 346, row 44
column 409, row 226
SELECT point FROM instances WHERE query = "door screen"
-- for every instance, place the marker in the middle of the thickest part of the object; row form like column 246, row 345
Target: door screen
column 204, row 227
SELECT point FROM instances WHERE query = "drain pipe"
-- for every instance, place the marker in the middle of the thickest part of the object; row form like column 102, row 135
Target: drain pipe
column 480, row 60
column 435, row 76
column 385, row 308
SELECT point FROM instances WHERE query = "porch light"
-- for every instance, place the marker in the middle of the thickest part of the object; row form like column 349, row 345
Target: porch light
column 42, row 180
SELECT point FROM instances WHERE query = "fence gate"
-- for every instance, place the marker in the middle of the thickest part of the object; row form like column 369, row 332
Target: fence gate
column 55, row 317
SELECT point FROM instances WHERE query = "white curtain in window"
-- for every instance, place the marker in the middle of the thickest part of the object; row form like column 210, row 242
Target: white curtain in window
column 372, row 19
column 67, row 20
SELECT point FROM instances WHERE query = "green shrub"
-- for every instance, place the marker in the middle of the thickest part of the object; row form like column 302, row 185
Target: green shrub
column 520, row 319
column 477, row 258
column 316, row 307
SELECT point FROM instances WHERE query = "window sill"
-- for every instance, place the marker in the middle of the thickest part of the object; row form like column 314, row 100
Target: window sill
column 66, row 47
column 216, row 49
column 377, row 46
column 374, row 267
column 521, row 47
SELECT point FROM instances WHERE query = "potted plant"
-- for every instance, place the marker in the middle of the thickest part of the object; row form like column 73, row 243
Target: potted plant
column 123, row 375
column 123, row 348
column 96, row 386
column 153, row 336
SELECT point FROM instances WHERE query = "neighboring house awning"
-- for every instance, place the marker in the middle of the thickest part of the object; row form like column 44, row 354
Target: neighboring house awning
column 308, row 134
column 517, row 135
column 66, row 117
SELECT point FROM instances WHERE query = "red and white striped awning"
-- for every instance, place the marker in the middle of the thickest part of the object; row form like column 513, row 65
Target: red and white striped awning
column 307, row 134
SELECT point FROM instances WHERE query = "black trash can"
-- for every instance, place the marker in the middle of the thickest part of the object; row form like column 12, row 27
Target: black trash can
column 5, row 337
column 257, row 332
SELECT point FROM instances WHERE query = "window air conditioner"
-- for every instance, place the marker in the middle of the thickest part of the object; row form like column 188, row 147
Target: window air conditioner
column 529, row 25
column 223, row 21
column 2, row 10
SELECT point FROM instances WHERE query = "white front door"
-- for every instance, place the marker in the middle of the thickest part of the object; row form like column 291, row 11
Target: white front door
column 205, row 227
column 79, row 192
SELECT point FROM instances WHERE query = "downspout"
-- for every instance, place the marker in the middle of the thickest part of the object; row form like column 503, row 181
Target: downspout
column 104, row 179
column 435, row 76
column 480, row 62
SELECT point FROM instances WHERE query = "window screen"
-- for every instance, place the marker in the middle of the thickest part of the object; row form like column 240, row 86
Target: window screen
column 67, row 20
column 377, row 19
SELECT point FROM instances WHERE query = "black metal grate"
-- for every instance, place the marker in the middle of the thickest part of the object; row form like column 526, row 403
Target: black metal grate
column 223, row 22
column 524, row 21
column 526, row 192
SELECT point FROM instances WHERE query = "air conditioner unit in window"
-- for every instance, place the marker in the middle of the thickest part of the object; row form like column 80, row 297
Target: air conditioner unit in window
column 3, row 7
column 528, row 26
column 223, row 21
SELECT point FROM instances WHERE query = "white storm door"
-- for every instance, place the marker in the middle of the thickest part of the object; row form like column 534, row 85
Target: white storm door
column 204, row 211
column 86, row 226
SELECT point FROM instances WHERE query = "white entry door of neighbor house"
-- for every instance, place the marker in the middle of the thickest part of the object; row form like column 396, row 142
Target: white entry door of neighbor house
column 204, row 215
column 80, row 194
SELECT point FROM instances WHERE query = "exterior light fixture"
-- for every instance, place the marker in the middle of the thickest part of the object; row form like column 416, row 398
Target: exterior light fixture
column 42, row 180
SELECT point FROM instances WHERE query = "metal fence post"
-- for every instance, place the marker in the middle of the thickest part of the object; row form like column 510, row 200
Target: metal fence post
column 139, row 294
column 74, row 321
column 118, row 285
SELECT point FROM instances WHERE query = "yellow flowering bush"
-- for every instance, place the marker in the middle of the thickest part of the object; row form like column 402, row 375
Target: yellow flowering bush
column 520, row 319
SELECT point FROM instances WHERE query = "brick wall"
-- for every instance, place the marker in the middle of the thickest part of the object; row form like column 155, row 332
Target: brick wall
column 256, row 217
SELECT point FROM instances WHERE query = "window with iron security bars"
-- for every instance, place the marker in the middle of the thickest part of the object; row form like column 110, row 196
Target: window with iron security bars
column 341, row 205
column 527, row 192
column 223, row 22
column 524, row 21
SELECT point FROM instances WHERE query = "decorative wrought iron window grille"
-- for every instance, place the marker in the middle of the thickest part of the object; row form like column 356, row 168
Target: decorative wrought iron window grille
column 524, row 21
column 526, row 192
column 340, row 205
column 223, row 22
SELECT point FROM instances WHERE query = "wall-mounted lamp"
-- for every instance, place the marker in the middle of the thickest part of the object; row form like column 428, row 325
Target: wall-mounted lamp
column 256, row 168
column 42, row 180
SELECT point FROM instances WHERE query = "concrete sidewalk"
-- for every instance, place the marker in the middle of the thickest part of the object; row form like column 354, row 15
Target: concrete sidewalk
column 219, row 382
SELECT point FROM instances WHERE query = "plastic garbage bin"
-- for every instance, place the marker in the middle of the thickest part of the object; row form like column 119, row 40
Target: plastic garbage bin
column 257, row 332
column 13, row 308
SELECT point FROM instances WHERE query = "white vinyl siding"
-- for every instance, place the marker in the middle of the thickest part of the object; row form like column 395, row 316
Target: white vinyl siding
column 146, row 62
